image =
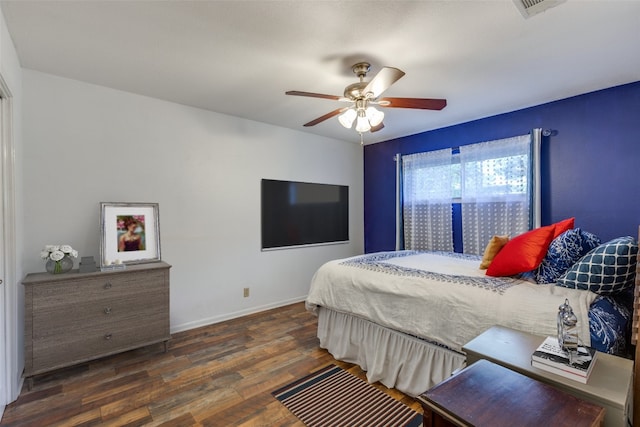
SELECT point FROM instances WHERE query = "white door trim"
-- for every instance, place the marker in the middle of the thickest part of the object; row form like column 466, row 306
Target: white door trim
column 9, row 375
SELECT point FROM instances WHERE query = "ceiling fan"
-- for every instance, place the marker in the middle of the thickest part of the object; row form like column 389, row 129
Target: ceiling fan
column 363, row 96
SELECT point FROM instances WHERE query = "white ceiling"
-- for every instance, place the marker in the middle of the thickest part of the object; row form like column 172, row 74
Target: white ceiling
column 239, row 57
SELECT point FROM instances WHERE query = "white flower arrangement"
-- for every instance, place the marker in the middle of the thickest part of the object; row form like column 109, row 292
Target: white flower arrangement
column 57, row 252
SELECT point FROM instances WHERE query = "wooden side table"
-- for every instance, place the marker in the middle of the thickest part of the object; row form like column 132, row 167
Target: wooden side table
column 609, row 385
column 486, row 394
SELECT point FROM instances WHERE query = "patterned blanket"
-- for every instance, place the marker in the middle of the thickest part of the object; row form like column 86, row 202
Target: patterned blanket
column 380, row 262
column 441, row 297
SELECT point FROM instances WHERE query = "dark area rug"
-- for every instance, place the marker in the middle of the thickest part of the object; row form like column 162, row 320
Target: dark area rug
column 333, row 397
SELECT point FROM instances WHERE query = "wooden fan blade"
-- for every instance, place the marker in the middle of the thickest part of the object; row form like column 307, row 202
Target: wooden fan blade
column 325, row 117
column 419, row 103
column 377, row 128
column 382, row 81
column 313, row 95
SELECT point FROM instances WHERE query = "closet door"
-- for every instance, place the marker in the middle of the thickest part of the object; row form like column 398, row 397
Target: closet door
column 9, row 351
column 3, row 337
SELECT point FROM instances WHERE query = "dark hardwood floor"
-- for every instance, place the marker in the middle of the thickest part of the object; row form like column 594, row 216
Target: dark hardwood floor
column 217, row 375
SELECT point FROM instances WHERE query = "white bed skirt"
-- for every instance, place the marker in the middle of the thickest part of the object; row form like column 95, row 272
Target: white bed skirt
column 395, row 359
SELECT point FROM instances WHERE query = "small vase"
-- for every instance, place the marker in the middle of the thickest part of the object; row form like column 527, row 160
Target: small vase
column 57, row 267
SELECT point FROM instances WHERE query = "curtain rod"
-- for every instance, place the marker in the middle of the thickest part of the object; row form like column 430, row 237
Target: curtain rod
column 545, row 132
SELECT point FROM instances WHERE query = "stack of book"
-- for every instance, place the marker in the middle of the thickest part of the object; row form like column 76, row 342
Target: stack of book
column 550, row 357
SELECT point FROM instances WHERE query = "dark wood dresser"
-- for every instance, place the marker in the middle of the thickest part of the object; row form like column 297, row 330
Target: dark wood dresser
column 76, row 317
column 609, row 386
column 486, row 394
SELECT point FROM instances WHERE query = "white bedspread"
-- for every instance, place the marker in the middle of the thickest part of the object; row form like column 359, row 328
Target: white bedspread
column 441, row 297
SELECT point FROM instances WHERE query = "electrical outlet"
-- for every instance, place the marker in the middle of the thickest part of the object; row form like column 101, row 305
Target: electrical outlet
column 246, row 292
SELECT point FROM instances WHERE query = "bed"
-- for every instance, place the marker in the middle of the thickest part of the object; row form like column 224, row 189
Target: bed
column 403, row 316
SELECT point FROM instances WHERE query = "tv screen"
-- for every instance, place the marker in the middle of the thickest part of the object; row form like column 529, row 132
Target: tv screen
column 303, row 213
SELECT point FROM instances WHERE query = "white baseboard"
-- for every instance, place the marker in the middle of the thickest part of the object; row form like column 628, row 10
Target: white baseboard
column 217, row 319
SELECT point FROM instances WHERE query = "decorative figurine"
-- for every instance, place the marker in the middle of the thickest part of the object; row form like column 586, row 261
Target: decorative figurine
column 567, row 330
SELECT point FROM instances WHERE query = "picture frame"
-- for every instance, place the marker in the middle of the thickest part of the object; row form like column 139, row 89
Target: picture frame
column 130, row 233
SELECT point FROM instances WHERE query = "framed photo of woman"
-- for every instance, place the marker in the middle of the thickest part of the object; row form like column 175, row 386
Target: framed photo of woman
column 130, row 233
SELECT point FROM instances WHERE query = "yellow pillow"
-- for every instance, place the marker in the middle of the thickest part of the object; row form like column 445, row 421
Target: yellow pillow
column 495, row 244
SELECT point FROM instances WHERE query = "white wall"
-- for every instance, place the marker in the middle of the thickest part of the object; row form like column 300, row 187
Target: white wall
column 85, row 144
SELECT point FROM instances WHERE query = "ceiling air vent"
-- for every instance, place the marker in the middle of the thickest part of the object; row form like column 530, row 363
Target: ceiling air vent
column 532, row 7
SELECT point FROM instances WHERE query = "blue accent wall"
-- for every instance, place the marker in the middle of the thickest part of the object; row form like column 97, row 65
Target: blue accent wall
column 590, row 166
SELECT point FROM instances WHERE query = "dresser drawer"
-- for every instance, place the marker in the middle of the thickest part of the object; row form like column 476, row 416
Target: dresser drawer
column 118, row 312
column 86, row 343
column 52, row 296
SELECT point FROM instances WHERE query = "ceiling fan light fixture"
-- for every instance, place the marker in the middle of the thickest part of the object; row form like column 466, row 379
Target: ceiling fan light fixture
column 362, row 125
column 364, row 95
column 347, row 118
column 375, row 116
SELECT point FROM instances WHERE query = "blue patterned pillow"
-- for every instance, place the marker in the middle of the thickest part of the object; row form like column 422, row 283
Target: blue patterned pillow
column 607, row 269
column 589, row 241
column 563, row 252
column 609, row 321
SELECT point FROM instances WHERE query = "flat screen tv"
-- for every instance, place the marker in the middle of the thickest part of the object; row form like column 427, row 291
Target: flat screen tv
column 303, row 213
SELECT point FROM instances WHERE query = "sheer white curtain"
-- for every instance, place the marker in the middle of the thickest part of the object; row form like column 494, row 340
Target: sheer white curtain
column 426, row 201
column 499, row 189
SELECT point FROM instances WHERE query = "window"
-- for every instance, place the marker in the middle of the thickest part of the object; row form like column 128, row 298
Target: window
column 495, row 182
column 494, row 172
column 501, row 176
column 426, row 201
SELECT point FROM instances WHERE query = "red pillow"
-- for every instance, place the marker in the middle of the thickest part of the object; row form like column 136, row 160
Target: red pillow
column 522, row 253
column 564, row 225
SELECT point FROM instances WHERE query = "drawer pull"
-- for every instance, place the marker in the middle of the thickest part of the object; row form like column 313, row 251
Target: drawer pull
column 107, row 337
column 107, row 310
column 107, row 285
